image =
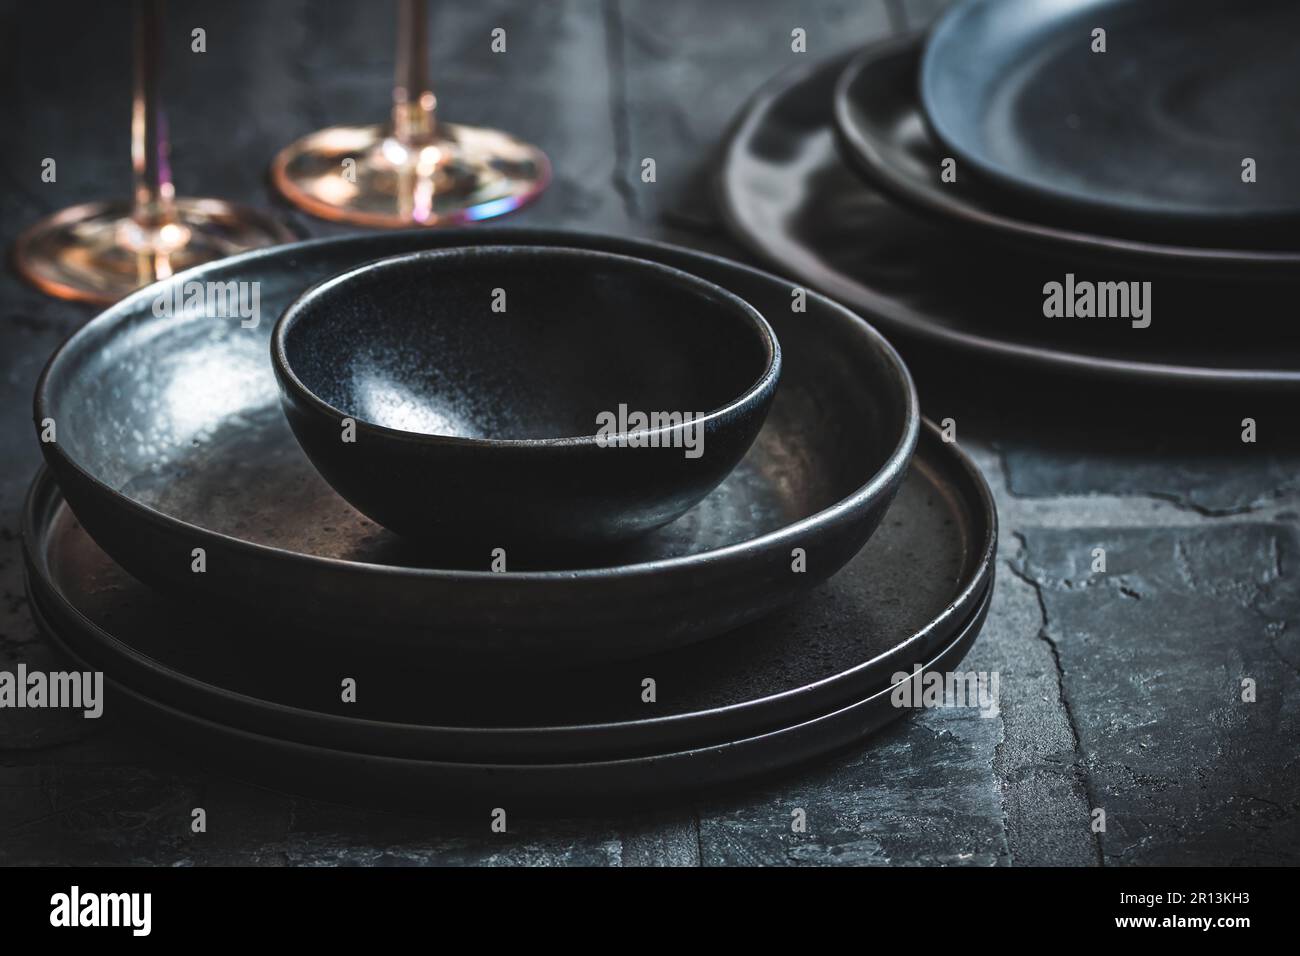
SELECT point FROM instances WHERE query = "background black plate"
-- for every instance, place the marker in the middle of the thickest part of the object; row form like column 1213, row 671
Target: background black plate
column 1149, row 135
column 895, row 604
column 171, row 438
column 786, row 195
column 459, row 787
column 884, row 136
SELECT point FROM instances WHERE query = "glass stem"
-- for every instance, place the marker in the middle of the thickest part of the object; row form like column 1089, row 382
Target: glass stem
column 154, row 199
column 414, row 123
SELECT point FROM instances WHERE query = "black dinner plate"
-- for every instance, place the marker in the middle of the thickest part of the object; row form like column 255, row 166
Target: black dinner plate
column 476, row 788
column 1150, row 134
column 903, row 597
column 787, row 195
column 884, row 136
column 173, row 451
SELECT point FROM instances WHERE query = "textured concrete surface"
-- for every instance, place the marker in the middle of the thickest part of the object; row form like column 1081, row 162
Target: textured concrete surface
column 1121, row 691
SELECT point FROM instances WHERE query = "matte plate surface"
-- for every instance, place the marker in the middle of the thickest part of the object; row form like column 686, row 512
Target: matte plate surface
column 1149, row 134
column 894, row 605
column 788, row 196
column 885, row 137
column 171, row 439
column 462, row 787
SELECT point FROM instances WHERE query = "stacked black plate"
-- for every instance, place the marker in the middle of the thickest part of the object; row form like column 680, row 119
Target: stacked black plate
column 939, row 183
column 182, row 543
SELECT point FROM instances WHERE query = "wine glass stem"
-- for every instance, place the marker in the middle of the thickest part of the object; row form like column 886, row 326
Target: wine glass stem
column 414, row 104
column 154, row 200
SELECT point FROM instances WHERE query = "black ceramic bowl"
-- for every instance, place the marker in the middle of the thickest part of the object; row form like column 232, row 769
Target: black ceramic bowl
column 490, row 394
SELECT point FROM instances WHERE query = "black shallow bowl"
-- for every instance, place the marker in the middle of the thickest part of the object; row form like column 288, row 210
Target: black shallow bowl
column 492, row 391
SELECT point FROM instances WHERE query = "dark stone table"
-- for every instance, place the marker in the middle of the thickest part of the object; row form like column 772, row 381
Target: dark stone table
column 1120, row 691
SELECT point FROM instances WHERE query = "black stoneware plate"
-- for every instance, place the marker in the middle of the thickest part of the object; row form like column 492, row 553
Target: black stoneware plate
column 788, row 196
column 1149, row 135
column 469, row 788
column 883, row 135
column 904, row 596
column 173, row 451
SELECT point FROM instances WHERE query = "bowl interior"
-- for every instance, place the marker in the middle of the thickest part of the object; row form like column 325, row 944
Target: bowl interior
column 521, row 343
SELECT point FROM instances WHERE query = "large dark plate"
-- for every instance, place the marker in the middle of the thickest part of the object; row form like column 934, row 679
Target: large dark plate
column 883, row 134
column 170, row 438
column 786, row 194
column 1150, row 134
column 894, row 605
column 475, row 788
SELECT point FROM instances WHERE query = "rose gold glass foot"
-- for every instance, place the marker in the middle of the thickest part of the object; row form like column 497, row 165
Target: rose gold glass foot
column 366, row 176
column 416, row 170
column 99, row 252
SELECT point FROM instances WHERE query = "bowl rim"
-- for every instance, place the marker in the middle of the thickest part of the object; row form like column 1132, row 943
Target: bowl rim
column 292, row 384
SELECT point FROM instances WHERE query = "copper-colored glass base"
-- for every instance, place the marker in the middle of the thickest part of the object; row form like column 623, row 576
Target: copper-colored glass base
column 99, row 253
column 364, row 175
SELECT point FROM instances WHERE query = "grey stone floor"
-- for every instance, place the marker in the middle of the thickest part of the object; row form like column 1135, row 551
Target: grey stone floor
column 1120, row 691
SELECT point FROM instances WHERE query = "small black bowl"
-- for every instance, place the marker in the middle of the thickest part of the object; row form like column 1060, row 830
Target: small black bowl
column 489, row 394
